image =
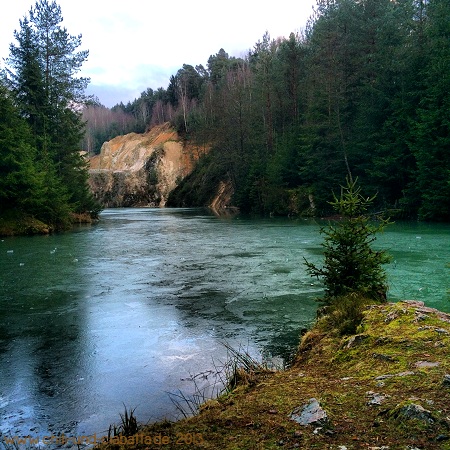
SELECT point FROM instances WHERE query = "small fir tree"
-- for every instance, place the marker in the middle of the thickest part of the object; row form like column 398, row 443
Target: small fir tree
column 351, row 266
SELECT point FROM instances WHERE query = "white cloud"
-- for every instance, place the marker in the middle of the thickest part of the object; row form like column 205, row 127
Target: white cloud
column 137, row 44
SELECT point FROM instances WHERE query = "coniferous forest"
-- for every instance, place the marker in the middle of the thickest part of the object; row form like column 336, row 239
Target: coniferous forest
column 365, row 90
column 43, row 174
column 362, row 91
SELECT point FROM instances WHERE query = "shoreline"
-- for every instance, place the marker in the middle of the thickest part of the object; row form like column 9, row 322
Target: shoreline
column 388, row 386
column 14, row 224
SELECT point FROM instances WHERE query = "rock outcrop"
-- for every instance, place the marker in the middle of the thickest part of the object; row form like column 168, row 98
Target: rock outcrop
column 140, row 169
column 221, row 202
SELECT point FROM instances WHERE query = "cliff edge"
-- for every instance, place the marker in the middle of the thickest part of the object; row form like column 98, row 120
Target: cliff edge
column 141, row 169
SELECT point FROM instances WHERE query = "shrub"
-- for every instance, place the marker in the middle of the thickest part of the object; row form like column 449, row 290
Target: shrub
column 344, row 314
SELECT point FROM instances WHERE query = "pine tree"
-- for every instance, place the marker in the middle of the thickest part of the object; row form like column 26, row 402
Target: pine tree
column 351, row 266
column 430, row 141
column 41, row 72
column 20, row 182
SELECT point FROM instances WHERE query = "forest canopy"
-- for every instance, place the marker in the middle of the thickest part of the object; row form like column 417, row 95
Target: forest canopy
column 365, row 89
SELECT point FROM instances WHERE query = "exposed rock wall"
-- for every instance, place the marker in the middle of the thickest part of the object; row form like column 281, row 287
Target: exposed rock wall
column 140, row 169
column 221, row 203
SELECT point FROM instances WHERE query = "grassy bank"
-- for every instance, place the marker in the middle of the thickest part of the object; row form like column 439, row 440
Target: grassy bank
column 388, row 386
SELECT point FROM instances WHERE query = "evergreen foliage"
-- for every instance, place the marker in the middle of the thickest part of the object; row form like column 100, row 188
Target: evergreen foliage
column 44, row 172
column 351, row 266
column 20, row 182
column 364, row 90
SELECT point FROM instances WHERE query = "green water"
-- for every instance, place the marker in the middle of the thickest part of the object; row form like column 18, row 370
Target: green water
column 129, row 309
column 420, row 269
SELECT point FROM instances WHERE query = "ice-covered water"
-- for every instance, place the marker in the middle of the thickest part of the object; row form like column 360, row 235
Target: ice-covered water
column 131, row 308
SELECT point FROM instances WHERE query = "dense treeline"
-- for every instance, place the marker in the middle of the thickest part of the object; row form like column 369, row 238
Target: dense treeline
column 43, row 174
column 364, row 90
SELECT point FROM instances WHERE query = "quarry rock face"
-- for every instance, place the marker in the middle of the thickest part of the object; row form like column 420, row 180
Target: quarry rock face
column 140, row 169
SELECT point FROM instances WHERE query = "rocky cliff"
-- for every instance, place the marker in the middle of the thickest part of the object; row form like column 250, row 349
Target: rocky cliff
column 141, row 169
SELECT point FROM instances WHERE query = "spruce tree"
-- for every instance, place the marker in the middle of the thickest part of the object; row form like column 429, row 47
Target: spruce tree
column 41, row 72
column 20, row 183
column 351, row 265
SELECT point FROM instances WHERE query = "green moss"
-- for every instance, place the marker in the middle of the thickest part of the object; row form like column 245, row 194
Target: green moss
column 340, row 371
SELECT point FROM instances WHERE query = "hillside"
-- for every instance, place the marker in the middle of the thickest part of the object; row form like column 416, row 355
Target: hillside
column 388, row 387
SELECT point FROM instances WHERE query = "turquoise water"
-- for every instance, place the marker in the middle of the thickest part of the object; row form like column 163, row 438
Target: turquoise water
column 131, row 308
column 420, row 269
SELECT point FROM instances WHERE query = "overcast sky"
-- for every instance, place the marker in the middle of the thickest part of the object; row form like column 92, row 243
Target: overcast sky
column 137, row 44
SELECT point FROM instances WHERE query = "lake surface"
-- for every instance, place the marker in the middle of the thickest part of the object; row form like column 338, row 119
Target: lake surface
column 132, row 308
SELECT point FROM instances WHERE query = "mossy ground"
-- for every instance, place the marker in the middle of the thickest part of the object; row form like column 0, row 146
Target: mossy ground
column 14, row 223
column 394, row 355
